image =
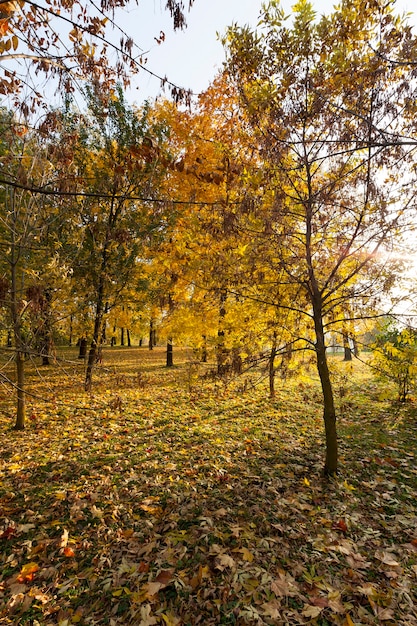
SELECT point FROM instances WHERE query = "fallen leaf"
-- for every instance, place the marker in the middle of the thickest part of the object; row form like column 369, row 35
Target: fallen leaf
column 271, row 609
column 223, row 561
column 64, row 539
column 146, row 619
column 27, row 572
column 165, row 577
column 312, row 611
column 387, row 558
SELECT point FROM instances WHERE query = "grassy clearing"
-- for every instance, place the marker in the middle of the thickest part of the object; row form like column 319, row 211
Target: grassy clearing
column 165, row 498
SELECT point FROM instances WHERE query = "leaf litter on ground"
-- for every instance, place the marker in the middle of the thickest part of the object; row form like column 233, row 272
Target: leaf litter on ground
column 161, row 504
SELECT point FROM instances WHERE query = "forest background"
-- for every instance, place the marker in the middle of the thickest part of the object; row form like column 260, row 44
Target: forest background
column 266, row 225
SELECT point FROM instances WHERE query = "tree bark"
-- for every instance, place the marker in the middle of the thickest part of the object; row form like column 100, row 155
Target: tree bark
column 329, row 412
column 356, row 351
column 21, row 396
column 151, row 334
column 271, row 366
column 82, row 352
column 170, row 353
column 70, row 330
column 97, row 334
column 221, row 349
column 346, row 348
column 204, row 350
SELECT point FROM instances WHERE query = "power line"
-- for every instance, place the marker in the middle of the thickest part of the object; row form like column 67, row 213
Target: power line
column 107, row 196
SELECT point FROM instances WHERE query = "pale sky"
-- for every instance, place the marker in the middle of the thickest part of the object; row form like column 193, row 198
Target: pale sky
column 191, row 58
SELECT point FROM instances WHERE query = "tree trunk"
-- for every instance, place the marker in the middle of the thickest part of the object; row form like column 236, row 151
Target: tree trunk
column 271, row 366
column 170, row 352
column 82, row 352
column 346, row 347
column 129, row 341
column 21, row 396
column 151, row 334
column 236, row 361
column 221, row 349
column 355, row 347
column 204, row 350
column 329, row 412
column 122, row 336
column 96, row 341
column 71, row 330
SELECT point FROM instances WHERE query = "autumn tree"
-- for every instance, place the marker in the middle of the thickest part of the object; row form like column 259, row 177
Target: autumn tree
column 110, row 166
column 326, row 110
column 66, row 43
column 395, row 357
column 203, row 259
column 27, row 263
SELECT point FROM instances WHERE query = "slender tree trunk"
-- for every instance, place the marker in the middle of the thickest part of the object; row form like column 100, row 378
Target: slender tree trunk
column 71, row 330
column 21, row 395
column 221, row 349
column 122, row 336
column 329, row 412
column 170, row 353
column 129, row 341
column 271, row 366
column 170, row 341
column 151, row 334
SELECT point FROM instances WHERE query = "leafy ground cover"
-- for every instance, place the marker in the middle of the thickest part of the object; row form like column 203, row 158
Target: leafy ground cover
column 171, row 499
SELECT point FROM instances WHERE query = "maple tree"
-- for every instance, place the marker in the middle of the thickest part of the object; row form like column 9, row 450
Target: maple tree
column 335, row 203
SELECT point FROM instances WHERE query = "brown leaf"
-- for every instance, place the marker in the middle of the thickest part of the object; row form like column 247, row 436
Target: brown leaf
column 387, row 558
column 312, row 611
column 284, row 585
column 153, row 588
column 271, row 609
column 165, row 577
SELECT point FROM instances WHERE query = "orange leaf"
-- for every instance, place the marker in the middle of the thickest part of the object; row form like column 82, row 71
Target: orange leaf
column 341, row 525
column 27, row 571
column 4, row 27
column 69, row 552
